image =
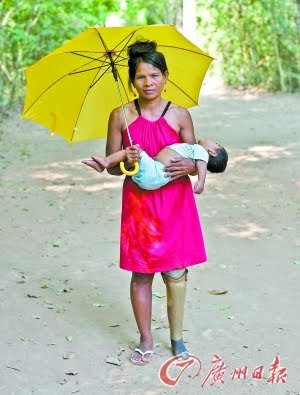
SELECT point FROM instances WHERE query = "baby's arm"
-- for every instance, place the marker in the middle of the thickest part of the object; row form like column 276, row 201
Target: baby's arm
column 201, row 170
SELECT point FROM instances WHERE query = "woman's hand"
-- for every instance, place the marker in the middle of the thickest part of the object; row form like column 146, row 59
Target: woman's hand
column 180, row 167
column 133, row 154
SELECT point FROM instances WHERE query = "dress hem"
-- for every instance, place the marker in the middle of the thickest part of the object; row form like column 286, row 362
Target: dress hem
column 165, row 269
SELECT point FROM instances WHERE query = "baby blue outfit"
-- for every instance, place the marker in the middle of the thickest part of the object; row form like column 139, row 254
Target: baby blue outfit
column 151, row 175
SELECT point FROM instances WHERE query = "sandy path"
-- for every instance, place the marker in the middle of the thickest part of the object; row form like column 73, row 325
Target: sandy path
column 59, row 260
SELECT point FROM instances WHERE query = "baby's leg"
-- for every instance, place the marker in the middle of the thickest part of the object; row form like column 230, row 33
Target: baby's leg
column 99, row 163
column 165, row 156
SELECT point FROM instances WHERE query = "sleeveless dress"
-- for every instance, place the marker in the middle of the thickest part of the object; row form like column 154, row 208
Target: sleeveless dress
column 160, row 229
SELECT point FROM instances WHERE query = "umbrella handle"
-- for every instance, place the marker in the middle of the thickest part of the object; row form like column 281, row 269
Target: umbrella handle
column 131, row 172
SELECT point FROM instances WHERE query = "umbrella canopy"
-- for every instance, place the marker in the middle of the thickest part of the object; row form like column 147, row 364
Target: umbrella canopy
column 72, row 90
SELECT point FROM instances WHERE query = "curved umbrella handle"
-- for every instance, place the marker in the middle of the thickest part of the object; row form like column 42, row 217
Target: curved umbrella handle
column 130, row 172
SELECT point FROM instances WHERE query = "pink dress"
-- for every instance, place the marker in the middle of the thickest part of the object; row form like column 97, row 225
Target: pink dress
column 160, row 229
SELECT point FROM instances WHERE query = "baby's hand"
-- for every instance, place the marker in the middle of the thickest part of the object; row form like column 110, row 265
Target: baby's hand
column 133, row 154
column 199, row 187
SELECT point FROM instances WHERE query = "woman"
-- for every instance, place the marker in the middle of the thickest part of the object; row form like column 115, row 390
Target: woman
column 160, row 229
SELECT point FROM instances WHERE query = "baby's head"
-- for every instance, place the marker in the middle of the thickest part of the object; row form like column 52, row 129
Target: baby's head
column 218, row 156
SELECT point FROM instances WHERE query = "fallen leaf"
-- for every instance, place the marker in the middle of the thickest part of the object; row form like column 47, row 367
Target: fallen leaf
column 113, row 361
column 160, row 327
column 64, row 381
column 69, row 338
column 158, row 295
column 11, row 367
column 114, row 325
column 220, row 307
column 32, row 296
column 100, row 305
column 218, row 292
column 36, row 317
column 56, row 244
column 61, row 291
column 296, row 262
column 72, row 373
column 68, row 355
column 121, row 350
column 44, row 286
column 48, row 306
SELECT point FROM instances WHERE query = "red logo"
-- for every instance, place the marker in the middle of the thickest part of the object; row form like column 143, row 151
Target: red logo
column 181, row 366
column 172, row 370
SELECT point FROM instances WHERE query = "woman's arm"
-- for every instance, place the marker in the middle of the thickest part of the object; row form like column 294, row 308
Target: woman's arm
column 183, row 166
column 114, row 139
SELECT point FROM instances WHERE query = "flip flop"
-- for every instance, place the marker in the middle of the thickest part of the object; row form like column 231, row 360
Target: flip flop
column 140, row 361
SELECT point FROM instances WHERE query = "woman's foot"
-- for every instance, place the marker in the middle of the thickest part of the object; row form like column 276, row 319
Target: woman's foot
column 178, row 348
column 143, row 356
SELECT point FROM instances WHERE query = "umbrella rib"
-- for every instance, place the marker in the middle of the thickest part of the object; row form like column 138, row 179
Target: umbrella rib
column 93, row 68
column 94, row 83
column 50, row 86
column 101, row 39
column 183, row 91
column 88, row 57
column 185, row 49
column 130, row 37
column 79, row 112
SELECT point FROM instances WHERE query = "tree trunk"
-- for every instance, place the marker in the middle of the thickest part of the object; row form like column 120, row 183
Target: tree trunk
column 298, row 16
column 190, row 19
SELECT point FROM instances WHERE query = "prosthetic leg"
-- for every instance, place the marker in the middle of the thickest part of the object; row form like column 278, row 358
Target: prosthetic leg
column 175, row 281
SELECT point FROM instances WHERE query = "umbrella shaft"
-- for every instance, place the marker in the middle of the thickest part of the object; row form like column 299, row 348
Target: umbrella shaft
column 126, row 123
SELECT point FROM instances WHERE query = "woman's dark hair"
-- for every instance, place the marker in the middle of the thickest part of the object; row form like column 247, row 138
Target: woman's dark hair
column 218, row 163
column 144, row 51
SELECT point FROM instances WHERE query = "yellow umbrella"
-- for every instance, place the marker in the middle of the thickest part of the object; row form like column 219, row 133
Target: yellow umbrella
column 73, row 89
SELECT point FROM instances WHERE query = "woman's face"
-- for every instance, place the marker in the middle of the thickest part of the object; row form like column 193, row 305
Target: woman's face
column 149, row 81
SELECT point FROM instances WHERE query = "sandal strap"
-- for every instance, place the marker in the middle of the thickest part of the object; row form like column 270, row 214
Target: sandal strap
column 143, row 353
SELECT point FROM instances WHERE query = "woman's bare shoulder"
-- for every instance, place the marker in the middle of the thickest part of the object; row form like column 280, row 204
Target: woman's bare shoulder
column 128, row 107
column 117, row 115
column 178, row 110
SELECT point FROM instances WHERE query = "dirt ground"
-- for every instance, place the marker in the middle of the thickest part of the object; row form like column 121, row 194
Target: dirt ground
column 65, row 304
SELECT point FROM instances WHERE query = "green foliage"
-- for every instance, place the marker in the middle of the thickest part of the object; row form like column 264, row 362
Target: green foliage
column 257, row 39
column 30, row 30
column 141, row 12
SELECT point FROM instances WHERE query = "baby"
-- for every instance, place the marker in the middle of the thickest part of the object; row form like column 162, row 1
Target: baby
column 151, row 175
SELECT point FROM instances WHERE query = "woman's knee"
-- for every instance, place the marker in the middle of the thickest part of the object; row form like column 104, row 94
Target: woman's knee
column 175, row 274
column 142, row 278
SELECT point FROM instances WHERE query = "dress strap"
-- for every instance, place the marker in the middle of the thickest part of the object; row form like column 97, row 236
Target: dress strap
column 137, row 106
column 166, row 108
